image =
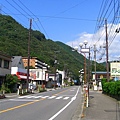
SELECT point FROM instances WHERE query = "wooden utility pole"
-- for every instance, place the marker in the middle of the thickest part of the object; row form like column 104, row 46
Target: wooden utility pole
column 85, row 69
column 107, row 64
column 28, row 63
column 95, row 61
column 89, row 67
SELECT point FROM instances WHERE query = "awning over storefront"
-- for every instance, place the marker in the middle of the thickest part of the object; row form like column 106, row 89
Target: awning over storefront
column 23, row 76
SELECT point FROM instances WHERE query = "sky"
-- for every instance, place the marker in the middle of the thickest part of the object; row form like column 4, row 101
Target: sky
column 69, row 21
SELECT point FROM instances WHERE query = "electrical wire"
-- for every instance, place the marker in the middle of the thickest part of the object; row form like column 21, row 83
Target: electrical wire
column 108, row 8
column 36, row 18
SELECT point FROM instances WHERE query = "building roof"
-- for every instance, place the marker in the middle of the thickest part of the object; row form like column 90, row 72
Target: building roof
column 100, row 72
column 16, row 60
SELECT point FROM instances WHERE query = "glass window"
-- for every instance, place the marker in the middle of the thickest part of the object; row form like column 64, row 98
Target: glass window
column 6, row 64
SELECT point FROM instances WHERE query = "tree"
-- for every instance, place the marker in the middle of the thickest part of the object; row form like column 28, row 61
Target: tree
column 10, row 82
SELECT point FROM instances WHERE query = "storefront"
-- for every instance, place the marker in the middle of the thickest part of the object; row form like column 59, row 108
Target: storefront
column 22, row 76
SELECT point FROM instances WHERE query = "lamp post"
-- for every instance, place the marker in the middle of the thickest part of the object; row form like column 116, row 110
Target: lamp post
column 28, row 63
column 81, row 76
column 85, row 50
column 55, row 62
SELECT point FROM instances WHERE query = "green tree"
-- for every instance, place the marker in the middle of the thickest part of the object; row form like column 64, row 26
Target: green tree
column 10, row 82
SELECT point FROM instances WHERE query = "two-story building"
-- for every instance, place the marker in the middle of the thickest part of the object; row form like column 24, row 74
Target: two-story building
column 19, row 70
column 5, row 66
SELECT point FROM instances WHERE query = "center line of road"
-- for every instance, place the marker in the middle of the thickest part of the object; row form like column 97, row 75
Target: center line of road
column 21, row 105
column 72, row 99
column 16, row 107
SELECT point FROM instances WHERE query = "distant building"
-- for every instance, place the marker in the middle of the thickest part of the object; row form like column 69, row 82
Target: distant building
column 99, row 75
column 39, row 71
column 115, row 70
column 19, row 70
column 34, row 62
column 5, row 66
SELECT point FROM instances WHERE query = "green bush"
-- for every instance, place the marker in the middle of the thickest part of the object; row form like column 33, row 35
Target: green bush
column 111, row 88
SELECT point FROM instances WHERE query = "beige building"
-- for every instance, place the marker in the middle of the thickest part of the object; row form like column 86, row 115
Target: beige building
column 34, row 62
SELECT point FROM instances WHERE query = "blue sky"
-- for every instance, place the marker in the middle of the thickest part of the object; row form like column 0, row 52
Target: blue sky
column 68, row 21
column 62, row 20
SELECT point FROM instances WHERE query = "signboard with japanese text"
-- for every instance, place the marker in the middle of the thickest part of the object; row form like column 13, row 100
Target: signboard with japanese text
column 115, row 69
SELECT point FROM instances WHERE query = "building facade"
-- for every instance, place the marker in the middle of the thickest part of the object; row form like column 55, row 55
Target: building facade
column 19, row 70
column 34, row 62
column 5, row 66
column 39, row 72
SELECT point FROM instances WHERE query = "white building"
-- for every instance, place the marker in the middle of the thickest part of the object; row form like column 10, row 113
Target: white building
column 115, row 70
column 19, row 70
column 39, row 76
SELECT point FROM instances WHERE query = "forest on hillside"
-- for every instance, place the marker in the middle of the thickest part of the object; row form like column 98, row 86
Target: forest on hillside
column 14, row 42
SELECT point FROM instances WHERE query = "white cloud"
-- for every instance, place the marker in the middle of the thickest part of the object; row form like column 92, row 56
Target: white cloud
column 99, row 38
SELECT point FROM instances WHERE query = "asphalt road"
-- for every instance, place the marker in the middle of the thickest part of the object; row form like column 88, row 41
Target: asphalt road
column 60, row 104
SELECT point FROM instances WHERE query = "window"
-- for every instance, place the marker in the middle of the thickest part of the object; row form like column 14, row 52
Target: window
column 6, row 64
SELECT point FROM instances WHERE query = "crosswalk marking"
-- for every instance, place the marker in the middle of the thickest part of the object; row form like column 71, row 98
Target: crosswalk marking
column 59, row 97
column 51, row 97
column 48, row 97
column 65, row 98
column 22, row 100
column 37, row 96
column 44, row 96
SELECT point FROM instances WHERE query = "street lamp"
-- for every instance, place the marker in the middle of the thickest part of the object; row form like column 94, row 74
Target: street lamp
column 81, row 71
column 85, row 50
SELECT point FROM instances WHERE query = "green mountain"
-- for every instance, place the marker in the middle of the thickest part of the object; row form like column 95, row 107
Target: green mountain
column 14, row 42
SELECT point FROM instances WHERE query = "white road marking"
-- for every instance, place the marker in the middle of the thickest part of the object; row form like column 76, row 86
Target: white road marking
column 72, row 99
column 48, row 97
column 44, row 96
column 22, row 100
column 59, row 97
column 38, row 96
column 66, row 98
column 51, row 97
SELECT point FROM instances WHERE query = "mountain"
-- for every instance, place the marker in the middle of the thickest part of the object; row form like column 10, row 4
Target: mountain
column 14, row 42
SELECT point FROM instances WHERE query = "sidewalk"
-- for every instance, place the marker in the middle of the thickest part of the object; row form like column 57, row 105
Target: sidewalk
column 101, row 107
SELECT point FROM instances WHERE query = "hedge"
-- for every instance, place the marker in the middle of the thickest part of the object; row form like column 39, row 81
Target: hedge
column 111, row 88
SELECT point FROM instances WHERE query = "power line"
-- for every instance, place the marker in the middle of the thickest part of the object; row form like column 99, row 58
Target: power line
column 36, row 18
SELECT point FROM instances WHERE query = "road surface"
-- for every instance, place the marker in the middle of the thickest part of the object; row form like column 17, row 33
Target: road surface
column 60, row 104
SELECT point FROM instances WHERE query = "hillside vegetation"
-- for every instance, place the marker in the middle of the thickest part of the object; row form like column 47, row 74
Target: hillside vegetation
column 14, row 42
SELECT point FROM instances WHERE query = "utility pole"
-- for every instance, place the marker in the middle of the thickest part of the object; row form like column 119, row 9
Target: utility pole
column 95, row 61
column 28, row 63
column 89, row 67
column 85, row 69
column 107, row 64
